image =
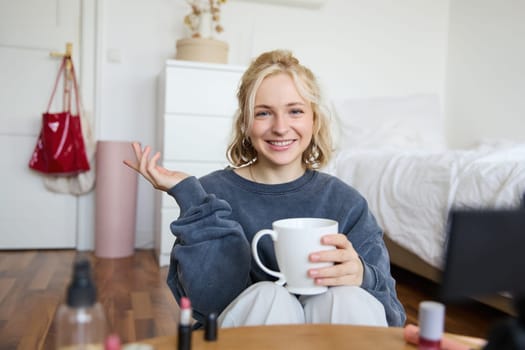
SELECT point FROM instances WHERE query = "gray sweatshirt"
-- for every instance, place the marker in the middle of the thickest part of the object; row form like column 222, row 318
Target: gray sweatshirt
column 211, row 261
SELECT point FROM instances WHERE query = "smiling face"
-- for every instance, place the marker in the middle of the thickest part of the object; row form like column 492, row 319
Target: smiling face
column 282, row 125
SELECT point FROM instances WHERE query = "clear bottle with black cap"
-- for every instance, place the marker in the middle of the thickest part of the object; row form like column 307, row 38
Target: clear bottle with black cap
column 80, row 323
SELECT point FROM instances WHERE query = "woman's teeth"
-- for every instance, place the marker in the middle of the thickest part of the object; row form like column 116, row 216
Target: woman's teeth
column 281, row 143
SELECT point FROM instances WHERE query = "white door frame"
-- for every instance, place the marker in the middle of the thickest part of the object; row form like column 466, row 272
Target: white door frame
column 91, row 41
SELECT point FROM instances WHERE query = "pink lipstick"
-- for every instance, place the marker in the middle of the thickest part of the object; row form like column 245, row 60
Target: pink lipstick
column 184, row 336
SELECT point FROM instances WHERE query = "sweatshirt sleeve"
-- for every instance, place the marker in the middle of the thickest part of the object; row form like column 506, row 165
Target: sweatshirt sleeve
column 367, row 238
column 210, row 260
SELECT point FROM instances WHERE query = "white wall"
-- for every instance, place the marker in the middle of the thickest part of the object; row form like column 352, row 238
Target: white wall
column 137, row 37
column 485, row 89
column 356, row 47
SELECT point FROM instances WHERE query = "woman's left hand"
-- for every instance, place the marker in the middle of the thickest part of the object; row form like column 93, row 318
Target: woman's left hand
column 347, row 269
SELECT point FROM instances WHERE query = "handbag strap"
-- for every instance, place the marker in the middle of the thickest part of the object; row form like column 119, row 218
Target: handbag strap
column 78, row 102
column 56, row 83
column 67, row 95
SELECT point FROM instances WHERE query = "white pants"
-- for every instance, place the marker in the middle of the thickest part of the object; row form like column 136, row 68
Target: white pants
column 266, row 303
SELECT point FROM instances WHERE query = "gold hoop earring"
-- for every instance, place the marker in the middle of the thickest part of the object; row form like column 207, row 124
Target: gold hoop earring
column 313, row 154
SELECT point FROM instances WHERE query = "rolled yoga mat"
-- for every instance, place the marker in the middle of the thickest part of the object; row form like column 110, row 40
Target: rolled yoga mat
column 115, row 200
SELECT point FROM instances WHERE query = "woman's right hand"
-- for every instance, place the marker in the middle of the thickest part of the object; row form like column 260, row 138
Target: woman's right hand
column 161, row 178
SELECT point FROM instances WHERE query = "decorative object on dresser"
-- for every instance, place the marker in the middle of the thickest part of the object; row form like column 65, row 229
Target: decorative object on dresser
column 203, row 23
column 197, row 102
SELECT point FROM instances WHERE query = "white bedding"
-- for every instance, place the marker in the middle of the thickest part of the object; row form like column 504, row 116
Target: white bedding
column 411, row 192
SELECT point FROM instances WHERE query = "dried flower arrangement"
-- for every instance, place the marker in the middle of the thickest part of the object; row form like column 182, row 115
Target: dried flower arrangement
column 200, row 8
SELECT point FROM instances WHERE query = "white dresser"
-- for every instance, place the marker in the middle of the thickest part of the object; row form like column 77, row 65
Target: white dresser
column 197, row 102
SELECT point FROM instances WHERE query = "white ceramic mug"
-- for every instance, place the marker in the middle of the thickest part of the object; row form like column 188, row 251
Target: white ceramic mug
column 294, row 240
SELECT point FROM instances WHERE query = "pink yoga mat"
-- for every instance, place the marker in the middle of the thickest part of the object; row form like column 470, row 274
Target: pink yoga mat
column 115, row 200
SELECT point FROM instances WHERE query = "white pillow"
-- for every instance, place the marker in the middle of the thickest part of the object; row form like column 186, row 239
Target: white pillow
column 402, row 123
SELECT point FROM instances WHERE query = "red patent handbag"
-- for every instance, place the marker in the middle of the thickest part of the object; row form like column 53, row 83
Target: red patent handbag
column 60, row 148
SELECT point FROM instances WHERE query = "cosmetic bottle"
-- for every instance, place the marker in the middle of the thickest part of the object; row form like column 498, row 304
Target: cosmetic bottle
column 184, row 334
column 80, row 322
column 112, row 342
column 431, row 324
column 210, row 327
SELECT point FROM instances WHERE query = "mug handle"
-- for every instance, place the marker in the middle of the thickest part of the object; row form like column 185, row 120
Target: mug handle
column 281, row 280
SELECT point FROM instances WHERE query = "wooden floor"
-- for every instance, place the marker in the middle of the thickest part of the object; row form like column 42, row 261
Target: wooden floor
column 137, row 301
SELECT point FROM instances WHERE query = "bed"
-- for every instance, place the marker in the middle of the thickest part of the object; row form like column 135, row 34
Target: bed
column 393, row 151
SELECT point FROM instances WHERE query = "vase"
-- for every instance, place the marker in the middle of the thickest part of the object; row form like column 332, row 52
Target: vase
column 115, row 200
column 205, row 25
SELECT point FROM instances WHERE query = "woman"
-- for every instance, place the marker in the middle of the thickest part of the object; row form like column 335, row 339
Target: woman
column 280, row 138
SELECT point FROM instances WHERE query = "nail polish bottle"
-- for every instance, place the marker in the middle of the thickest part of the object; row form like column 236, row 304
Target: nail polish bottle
column 210, row 327
column 431, row 324
column 112, row 342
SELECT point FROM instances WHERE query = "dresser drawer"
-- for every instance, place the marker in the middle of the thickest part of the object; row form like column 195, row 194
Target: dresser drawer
column 196, row 105
column 196, row 138
column 198, row 91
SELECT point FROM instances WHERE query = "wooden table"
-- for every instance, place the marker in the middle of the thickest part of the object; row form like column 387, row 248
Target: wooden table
column 304, row 337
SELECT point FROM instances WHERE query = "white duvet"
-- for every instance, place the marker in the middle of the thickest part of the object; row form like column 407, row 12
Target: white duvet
column 411, row 192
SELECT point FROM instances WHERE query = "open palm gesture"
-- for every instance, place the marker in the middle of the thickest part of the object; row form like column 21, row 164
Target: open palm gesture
column 160, row 177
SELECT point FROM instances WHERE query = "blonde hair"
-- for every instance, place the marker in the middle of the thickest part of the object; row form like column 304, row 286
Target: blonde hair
column 240, row 151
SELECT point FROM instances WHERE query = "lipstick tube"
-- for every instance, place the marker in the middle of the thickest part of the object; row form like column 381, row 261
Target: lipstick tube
column 184, row 335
